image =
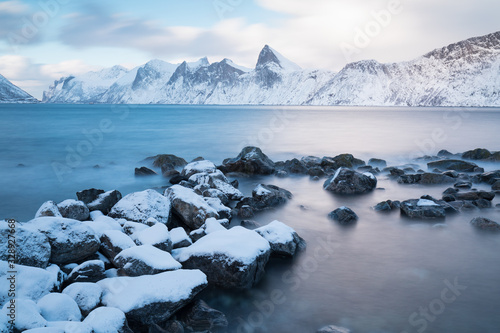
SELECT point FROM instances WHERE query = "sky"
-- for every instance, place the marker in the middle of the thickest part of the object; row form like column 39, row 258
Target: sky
column 44, row 40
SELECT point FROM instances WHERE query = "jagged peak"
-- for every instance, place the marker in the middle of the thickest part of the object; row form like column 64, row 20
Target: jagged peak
column 202, row 62
column 269, row 55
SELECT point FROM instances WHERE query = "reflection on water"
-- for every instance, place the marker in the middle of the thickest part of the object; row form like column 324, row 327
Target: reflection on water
column 376, row 276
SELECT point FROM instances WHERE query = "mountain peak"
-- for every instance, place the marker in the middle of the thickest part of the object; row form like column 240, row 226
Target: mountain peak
column 270, row 56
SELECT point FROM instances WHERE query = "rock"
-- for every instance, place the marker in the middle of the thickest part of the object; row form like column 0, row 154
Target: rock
column 474, row 195
column 450, row 190
column 444, row 153
column 496, row 186
column 393, row 171
column 422, row 209
column 171, row 326
column 216, row 180
column 145, row 260
column 482, row 203
column 451, row 173
column 340, row 161
column 167, row 161
column 284, row 241
column 89, row 271
column 368, row 168
column 179, row 238
column 435, row 178
column 333, row 329
column 409, row 179
column 114, row 242
column 485, row 224
column 86, row 294
column 344, row 215
column 377, row 163
column 311, row 161
column 151, row 299
column 89, row 195
column 295, row 166
column 251, row 160
column 199, row 317
column 107, row 320
column 281, row 174
column 140, row 206
column 177, row 179
column 268, row 196
column 463, row 185
column 457, row 165
column 32, row 248
column 143, row 171
column 224, row 212
column 477, row 154
column 73, row 209
column 197, row 234
column 59, row 307
column 189, row 207
column 233, row 258
column 27, row 316
column 249, row 224
column 382, row 206
column 488, row 177
column 70, row 240
column 246, row 211
column 193, row 168
column 105, row 201
column 316, row 172
column 346, row 181
column 218, row 194
column 235, row 183
column 157, row 236
column 48, row 208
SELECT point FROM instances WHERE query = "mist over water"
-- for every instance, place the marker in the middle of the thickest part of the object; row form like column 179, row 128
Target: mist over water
column 372, row 277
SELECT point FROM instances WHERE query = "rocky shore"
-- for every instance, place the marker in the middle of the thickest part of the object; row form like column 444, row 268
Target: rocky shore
column 107, row 262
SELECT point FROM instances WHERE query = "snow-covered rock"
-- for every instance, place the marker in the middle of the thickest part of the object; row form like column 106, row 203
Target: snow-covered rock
column 189, row 206
column 151, row 299
column 114, row 242
column 105, row 201
column 59, row 307
column 157, row 236
column 102, row 223
column 108, row 320
column 233, row 258
column 251, row 160
column 422, row 209
column 222, row 210
column 48, row 208
column 70, row 240
column 73, row 209
column 131, row 228
column 145, row 259
column 140, row 206
column 204, row 166
column 86, row 294
column 217, row 181
column 179, row 238
column 89, row 271
column 9, row 93
column 347, row 181
column 267, row 196
column 31, row 248
column 27, row 315
column 283, row 239
column 69, row 326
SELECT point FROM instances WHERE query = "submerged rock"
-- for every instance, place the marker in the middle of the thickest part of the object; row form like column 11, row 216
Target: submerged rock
column 283, row 239
column 346, row 181
column 344, row 215
column 457, row 165
column 144, row 171
column 422, row 209
column 251, row 160
column 199, row 317
column 485, row 224
column 477, row 154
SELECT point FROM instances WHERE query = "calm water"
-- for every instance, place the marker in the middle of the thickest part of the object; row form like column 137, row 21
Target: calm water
column 374, row 277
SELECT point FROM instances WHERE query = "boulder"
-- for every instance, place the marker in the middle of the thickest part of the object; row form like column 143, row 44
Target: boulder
column 463, row 185
column 496, row 186
column 73, row 209
column 107, row 320
column 140, row 206
column 70, row 240
column 311, row 161
column 89, row 195
column 179, row 238
column 316, row 172
column 216, row 180
column 144, row 171
column 435, row 178
column 477, row 154
column 346, row 181
column 223, row 211
column 32, row 248
column 488, row 177
column 89, row 271
column 114, row 242
column 48, row 208
column 167, row 161
column 422, row 209
column 251, row 160
column 157, row 236
column 199, row 317
column 191, row 208
column 387, row 206
column 171, row 326
column 341, row 161
column 268, row 196
column 105, row 201
column 284, row 241
column 444, row 153
column 250, row 224
column 145, row 260
column 377, row 163
column 295, row 166
column 27, row 316
column 246, row 211
column 103, row 223
column 151, row 299
column 233, row 258
column 485, row 224
column 204, row 166
column 215, row 193
column 457, row 165
column 86, row 294
column 344, row 215
column 59, row 307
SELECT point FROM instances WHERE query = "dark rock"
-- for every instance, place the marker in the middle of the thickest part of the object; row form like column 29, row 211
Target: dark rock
column 425, row 179
column 477, row 154
column 495, row 156
column 284, row 241
column 488, row 177
column 171, row 326
column 478, row 169
column 198, row 317
column 170, row 173
column 422, row 209
column 457, row 165
column 197, row 159
column 268, row 196
column 251, row 160
column 346, row 181
column 114, row 242
column 89, row 271
column 396, row 204
column 333, row 329
column 250, row 224
column 378, row 163
column 463, row 185
column 311, row 161
column 87, row 196
column 105, row 201
column 281, row 174
column 235, row 183
column 316, row 172
column 482, row 203
column 315, row 178
column 475, row 195
column 340, row 161
column 143, row 171
column 245, row 212
column 444, row 153
column 382, row 206
column 409, row 179
column 165, row 161
column 343, row 215
column 449, row 197
column 75, row 210
column 295, row 166
column 177, row 179
column 215, row 193
column 496, row 186
column 31, row 248
column 485, row 224
column 394, row 172
column 450, row 190
column 451, row 173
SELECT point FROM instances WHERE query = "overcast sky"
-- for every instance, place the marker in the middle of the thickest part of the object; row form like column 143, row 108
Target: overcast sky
column 43, row 40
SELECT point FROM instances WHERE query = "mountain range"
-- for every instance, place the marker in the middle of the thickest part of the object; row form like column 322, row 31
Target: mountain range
column 466, row 73
column 9, row 93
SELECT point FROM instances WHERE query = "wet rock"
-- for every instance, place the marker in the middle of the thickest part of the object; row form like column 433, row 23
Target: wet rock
column 144, row 171
column 409, row 179
column 496, row 186
column 246, row 211
column 475, row 195
column 450, row 190
column 295, row 166
column 482, row 203
column 477, row 154
column 89, row 271
column 457, row 165
column 377, row 163
column 268, row 196
column 382, row 206
column 199, row 317
column 451, row 173
column 333, row 329
column 177, row 179
column 167, row 162
column 393, row 171
column 284, row 241
column 73, row 209
column 485, row 224
column 435, row 178
column 488, row 177
column 463, row 185
column 250, row 224
column 316, row 172
column 251, row 160
column 105, row 201
column 311, row 161
column 422, row 209
column 444, row 153
column 346, row 181
column 140, row 206
column 32, row 248
column 341, row 161
column 48, row 208
column 343, row 215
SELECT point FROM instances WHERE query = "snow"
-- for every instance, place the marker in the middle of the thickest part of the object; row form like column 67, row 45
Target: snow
column 86, row 294
column 106, row 320
column 46, row 330
column 184, row 194
column 129, row 293
column 369, row 174
column 203, row 62
column 27, row 314
column 151, row 256
column 119, row 239
column 276, row 232
column 204, row 166
column 95, row 214
column 153, row 235
column 241, row 68
column 426, row 203
column 213, row 225
column 285, row 64
column 336, row 174
column 131, row 228
column 112, row 272
column 178, row 235
column 237, row 244
column 59, row 307
column 261, row 190
column 46, row 207
column 139, row 206
column 69, row 326
column 84, row 266
column 103, row 223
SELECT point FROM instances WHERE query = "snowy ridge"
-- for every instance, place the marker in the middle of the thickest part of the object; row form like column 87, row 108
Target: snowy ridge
column 9, row 93
column 461, row 74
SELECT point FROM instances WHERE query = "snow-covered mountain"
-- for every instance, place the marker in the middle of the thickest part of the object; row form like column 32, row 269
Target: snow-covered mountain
column 462, row 74
column 9, row 93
